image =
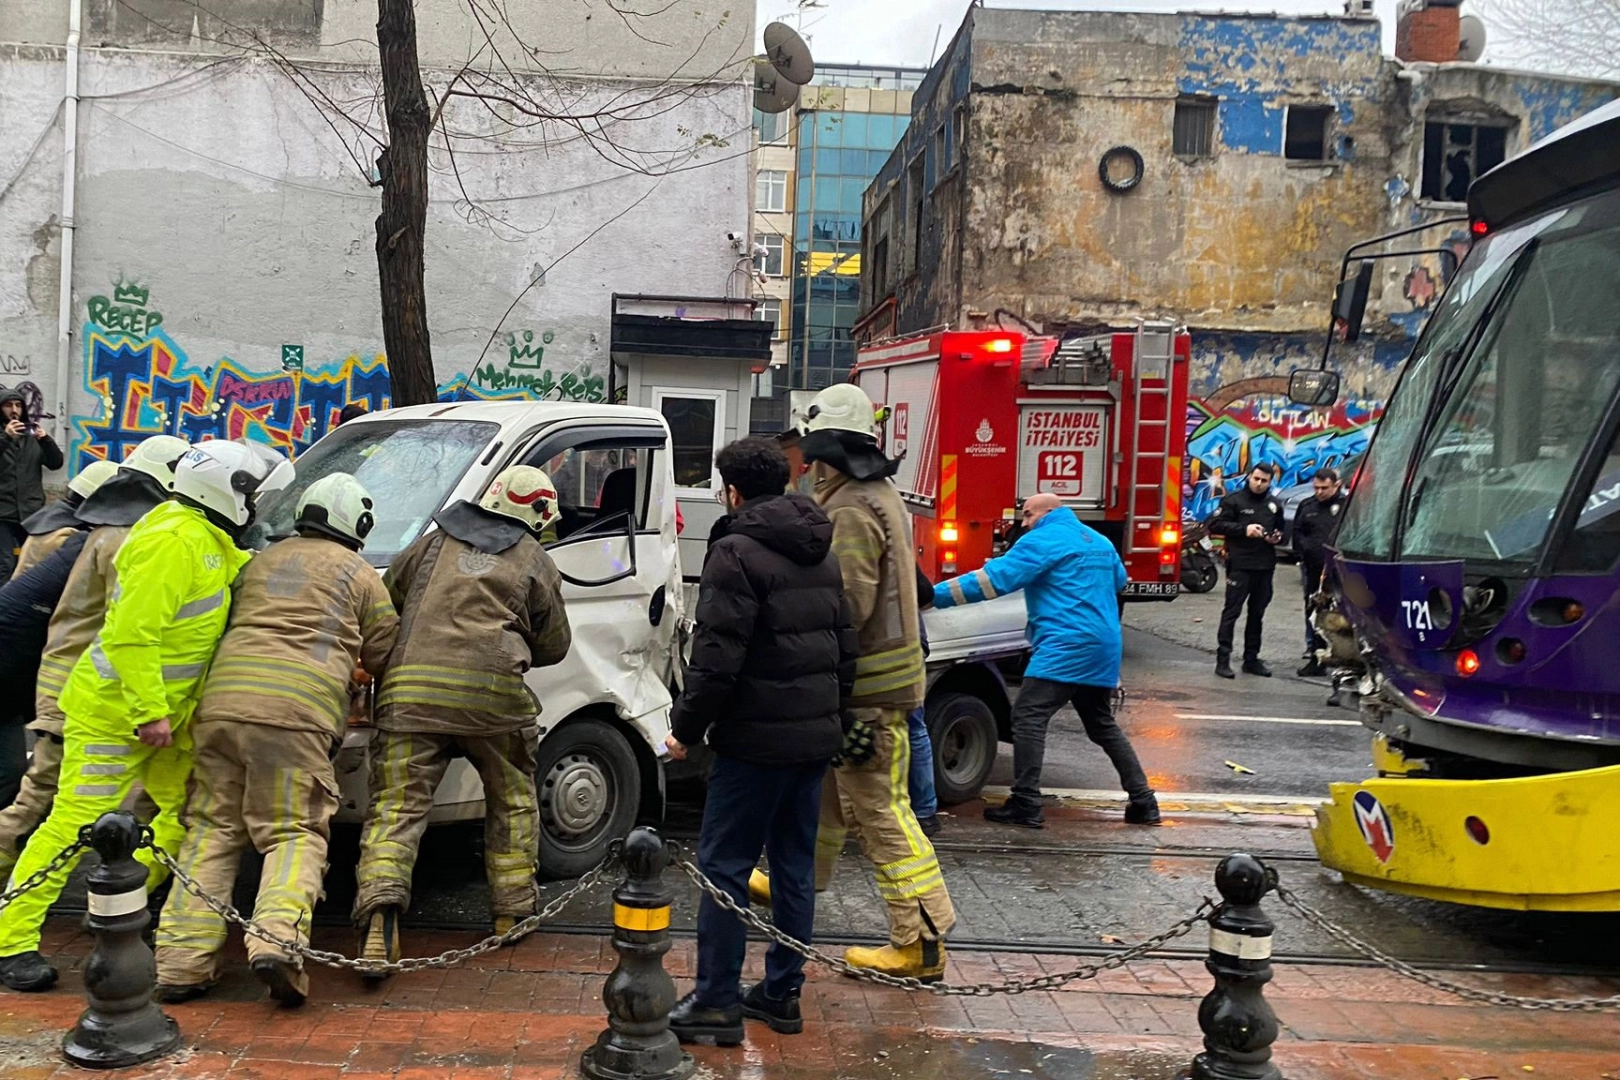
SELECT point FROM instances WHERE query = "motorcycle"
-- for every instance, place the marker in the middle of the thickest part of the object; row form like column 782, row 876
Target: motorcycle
column 1199, row 571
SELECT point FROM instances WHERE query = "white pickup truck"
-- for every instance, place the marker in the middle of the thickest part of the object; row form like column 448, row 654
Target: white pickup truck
column 606, row 706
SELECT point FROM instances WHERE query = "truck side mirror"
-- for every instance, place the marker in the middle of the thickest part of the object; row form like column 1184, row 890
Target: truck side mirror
column 1350, row 302
column 1313, row 387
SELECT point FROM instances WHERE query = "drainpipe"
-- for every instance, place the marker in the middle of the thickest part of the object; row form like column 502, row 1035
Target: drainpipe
column 70, row 141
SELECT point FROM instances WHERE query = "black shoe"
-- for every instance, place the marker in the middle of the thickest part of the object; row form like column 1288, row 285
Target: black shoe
column 781, row 1015
column 27, row 973
column 1256, row 667
column 1013, row 813
column 1143, row 811
column 180, row 993
column 1223, row 668
column 288, row 985
column 1311, row 670
column 691, row 1021
column 929, row 825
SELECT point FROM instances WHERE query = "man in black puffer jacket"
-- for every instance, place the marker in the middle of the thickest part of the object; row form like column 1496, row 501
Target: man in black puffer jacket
column 773, row 664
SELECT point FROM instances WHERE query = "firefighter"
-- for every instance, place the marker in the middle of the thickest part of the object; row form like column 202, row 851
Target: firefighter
column 305, row 614
column 50, row 527
column 455, row 686
column 130, row 697
column 143, row 480
column 868, row 792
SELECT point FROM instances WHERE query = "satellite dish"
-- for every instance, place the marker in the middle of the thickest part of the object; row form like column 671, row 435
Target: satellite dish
column 1471, row 38
column 788, row 54
column 772, row 93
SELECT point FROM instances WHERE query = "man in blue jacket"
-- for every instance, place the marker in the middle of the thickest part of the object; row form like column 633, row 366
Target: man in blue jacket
column 1071, row 576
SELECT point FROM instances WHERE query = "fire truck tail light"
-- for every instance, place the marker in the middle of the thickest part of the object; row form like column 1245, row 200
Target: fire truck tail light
column 948, row 533
column 998, row 345
column 1170, row 536
column 1167, row 557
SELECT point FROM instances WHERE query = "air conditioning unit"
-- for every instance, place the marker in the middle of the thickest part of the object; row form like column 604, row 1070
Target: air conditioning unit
column 1358, row 7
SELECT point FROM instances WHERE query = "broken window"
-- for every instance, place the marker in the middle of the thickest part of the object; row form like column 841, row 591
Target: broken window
column 1455, row 155
column 1193, row 134
column 1305, row 133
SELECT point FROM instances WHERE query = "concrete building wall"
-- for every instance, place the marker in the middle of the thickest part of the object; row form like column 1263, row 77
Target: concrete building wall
column 224, row 277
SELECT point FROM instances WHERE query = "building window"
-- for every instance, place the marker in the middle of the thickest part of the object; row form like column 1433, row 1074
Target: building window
column 770, row 190
column 941, row 161
column 1455, row 155
column 1305, row 133
column 771, row 127
column 771, row 264
column 959, row 130
column 696, row 421
column 769, row 309
column 1193, row 133
column 914, row 226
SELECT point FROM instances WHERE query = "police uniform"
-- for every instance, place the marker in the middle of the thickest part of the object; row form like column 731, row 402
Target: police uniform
column 1251, row 562
column 1315, row 522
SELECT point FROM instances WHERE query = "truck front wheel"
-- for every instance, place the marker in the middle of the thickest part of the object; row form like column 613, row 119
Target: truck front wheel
column 963, row 731
column 590, row 788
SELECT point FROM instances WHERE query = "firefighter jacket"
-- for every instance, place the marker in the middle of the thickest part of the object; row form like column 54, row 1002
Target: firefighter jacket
column 48, row 529
column 166, row 616
column 872, row 542
column 480, row 603
column 304, row 614
column 76, row 621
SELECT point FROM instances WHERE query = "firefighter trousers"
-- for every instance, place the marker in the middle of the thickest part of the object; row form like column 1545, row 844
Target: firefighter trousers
column 873, row 801
column 102, row 762
column 406, row 768
column 271, row 787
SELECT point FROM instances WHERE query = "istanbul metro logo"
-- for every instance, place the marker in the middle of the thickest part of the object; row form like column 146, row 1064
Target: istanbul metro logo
column 1374, row 824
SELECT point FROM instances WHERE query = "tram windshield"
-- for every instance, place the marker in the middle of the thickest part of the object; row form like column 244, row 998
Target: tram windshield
column 1501, row 403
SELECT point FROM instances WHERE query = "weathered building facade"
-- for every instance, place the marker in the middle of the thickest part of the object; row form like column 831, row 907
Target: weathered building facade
column 1069, row 170
column 223, row 279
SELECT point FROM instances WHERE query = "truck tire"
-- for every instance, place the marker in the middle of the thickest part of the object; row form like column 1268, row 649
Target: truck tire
column 963, row 731
column 589, row 788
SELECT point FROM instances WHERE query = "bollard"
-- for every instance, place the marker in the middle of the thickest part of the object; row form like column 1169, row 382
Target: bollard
column 122, row 1025
column 1238, row 1024
column 639, row 993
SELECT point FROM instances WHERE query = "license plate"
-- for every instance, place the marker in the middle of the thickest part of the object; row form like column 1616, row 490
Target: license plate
column 1152, row 588
column 1204, row 543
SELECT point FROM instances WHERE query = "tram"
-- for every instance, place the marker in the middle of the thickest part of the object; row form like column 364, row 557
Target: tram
column 1478, row 562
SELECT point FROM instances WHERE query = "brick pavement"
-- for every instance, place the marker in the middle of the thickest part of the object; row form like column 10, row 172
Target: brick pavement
column 526, row 1013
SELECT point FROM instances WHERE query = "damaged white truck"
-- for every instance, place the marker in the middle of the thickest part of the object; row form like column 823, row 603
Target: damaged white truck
column 605, row 708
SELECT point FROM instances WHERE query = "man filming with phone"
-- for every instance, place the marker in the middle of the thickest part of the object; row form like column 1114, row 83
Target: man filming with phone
column 1250, row 520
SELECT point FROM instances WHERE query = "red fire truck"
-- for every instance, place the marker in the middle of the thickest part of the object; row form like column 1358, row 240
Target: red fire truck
column 984, row 419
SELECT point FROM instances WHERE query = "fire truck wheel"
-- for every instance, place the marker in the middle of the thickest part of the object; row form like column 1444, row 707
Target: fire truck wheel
column 963, row 731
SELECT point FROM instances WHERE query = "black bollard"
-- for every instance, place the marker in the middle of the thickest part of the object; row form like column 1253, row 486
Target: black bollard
column 122, row 1025
column 1238, row 1024
column 639, row 993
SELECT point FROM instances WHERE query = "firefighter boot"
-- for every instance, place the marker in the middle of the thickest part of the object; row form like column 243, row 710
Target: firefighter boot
column 27, row 972
column 759, row 888
column 288, row 983
column 923, row 960
column 381, row 941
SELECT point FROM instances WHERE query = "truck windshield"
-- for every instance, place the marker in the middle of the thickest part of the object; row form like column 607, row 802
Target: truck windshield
column 407, row 466
column 1505, row 391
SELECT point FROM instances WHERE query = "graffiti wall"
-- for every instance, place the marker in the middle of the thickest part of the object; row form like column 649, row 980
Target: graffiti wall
column 141, row 382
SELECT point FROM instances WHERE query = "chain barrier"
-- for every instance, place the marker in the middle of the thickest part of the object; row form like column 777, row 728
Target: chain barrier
column 1462, row 990
column 1015, row 986
column 35, row 880
column 522, row 929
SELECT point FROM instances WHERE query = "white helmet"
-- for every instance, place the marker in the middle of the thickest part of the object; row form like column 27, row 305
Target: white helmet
column 226, row 477
column 91, row 477
column 525, row 493
column 156, row 457
column 338, row 506
column 842, row 407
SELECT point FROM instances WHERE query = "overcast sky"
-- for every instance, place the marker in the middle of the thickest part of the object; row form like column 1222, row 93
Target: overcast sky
column 901, row 32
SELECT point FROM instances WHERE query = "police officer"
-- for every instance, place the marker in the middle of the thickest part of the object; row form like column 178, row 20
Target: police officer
column 1315, row 522
column 1250, row 519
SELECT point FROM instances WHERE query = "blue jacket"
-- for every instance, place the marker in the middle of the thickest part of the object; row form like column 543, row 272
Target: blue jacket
column 1072, row 577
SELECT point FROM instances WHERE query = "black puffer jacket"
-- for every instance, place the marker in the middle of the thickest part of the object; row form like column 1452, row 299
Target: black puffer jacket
column 26, row 604
column 773, row 660
column 23, row 461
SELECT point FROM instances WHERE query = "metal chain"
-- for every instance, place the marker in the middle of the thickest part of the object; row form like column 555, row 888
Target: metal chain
column 37, row 879
column 1017, row 986
column 451, row 958
column 1400, row 967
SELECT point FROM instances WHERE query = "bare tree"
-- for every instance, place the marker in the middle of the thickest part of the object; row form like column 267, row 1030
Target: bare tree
column 1571, row 37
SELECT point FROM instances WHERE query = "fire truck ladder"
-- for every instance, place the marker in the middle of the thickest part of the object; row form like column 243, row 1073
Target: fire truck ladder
column 1154, row 353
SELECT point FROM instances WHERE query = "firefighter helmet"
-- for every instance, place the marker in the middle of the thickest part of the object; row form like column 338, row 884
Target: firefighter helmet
column 91, row 477
column 843, row 407
column 156, row 456
column 337, row 505
column 225, row 478
column 524, row 493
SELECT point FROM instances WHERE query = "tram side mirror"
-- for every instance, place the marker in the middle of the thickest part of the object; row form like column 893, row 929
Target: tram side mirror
column 1350, row 302
column 1312, row 387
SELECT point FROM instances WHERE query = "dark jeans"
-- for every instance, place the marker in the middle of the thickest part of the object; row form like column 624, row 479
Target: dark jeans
column 1253, row 586
column 750, row 808
column 13, row 757
column 1310, row 578
column 1038, row 700
column 12, row 537
column 924, row 798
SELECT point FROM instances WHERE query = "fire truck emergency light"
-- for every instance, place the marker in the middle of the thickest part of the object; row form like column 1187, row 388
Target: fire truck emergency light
column 998, row 345
column 948, row 533
column 1170, row 536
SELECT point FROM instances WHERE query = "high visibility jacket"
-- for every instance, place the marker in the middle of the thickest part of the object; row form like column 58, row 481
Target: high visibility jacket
column 167, row 614
column 872, row 542
column 76, row 622
column 304, row 613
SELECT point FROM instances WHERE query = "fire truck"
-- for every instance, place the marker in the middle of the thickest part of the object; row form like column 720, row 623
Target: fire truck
column 982, row 420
